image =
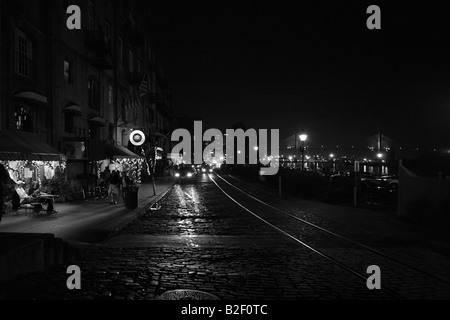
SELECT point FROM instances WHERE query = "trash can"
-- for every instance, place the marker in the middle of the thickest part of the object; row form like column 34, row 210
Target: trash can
column 131, row 197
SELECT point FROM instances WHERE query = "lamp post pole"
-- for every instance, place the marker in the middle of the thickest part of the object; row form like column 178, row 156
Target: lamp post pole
column 303, row 155
column 303, row 138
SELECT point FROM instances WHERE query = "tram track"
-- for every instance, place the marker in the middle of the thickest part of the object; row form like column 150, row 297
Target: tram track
column 352, row 256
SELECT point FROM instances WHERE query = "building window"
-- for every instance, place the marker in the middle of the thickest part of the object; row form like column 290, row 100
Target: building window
column 120, row 51
column 131, row 61
column 110, row 95
column 94, row 94
column 68, row 70
column 69, row 122
column 24, row 55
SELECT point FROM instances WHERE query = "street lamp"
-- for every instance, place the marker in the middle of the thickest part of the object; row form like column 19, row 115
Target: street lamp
column 303, row 138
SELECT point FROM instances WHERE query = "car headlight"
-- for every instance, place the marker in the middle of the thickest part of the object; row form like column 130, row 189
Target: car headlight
column 177, row 175
column 210, row 170
column 203, row 170
column 189, row 174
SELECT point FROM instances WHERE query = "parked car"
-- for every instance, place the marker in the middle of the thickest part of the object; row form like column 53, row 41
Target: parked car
column 374, row 191
column 186, row 173
column 340, row 175
column 367, row 176
column 389, row 181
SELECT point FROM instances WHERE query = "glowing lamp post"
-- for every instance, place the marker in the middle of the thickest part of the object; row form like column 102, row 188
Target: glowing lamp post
column 303, row 138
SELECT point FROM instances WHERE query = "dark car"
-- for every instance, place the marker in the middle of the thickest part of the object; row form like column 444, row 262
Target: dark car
column 186, row 174
column 206, row 168
column 378, row 192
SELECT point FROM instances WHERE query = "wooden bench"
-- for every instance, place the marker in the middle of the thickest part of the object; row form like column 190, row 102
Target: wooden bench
column 28, row 207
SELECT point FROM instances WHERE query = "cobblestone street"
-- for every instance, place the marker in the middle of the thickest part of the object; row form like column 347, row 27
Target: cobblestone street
column 196, row 238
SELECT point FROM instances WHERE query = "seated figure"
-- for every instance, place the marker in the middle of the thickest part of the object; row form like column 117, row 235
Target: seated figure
column 21, row 197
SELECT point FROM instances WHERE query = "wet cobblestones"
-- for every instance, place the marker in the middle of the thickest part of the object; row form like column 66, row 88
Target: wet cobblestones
column 141, row 273
column 265, row 265
column 197, row 209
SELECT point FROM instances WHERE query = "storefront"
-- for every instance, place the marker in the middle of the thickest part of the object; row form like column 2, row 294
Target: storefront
column 29, row 159
column 123, row 160
column 116, row 158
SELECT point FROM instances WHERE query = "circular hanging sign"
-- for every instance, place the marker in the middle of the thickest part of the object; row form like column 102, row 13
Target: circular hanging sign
column 137, row 138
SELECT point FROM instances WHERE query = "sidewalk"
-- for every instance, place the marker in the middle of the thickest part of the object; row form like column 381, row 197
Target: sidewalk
column 92, row 221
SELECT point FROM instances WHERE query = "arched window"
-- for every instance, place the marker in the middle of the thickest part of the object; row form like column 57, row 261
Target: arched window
column 23, row 54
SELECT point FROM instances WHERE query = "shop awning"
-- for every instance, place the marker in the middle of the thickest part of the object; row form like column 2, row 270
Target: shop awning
column 158, row 134
column 98, row 120
column 100, row 150
column 73, row 108
column 119, row 152
column 32, row 96
column 21, row 145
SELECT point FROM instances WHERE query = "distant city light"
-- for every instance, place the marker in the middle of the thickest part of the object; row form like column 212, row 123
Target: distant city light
column 380, row 155
column 331, row 155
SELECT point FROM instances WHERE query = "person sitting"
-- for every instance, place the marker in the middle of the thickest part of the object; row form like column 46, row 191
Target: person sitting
column 21, row 197
column 34, row 189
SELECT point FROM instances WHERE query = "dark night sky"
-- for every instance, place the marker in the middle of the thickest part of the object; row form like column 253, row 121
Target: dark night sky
column 305, row 64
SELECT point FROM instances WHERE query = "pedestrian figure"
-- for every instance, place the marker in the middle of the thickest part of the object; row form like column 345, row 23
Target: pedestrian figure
column 114, row 181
